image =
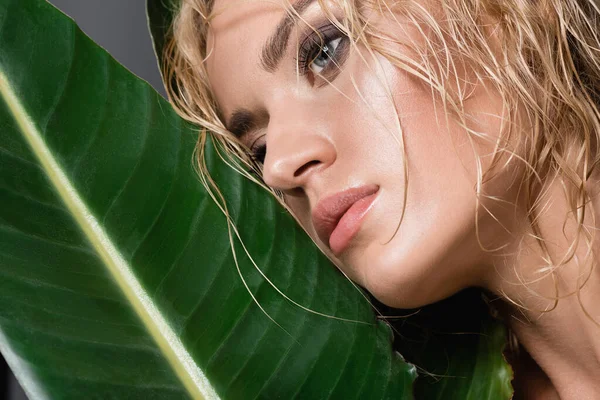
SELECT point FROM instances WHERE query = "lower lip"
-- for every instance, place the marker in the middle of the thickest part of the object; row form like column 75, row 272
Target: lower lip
column 349, row 224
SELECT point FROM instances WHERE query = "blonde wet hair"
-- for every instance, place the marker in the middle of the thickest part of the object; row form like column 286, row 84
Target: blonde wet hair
column 544, row 62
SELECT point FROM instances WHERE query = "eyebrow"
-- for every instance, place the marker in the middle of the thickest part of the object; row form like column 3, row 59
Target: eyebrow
column 276, row 45
column 242, row 120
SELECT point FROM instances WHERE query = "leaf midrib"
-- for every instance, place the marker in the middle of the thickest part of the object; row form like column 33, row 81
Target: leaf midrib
column 191, row 376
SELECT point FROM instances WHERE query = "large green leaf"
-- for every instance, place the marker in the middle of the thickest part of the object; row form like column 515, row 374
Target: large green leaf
column 117, row 279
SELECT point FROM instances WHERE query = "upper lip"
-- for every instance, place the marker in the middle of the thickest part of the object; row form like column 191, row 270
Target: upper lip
column 329, row 211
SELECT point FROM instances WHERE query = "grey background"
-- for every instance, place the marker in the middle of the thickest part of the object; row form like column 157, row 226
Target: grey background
column 120, row 27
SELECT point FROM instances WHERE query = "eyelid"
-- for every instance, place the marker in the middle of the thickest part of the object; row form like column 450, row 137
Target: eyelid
column 247, row 123
column 321, row 31
column 251, row 146
column 256, row 136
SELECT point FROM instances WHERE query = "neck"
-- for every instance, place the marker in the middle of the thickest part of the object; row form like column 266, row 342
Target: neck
column 563, row 337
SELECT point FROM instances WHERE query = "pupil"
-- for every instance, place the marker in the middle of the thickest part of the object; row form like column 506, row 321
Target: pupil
column 321, row 60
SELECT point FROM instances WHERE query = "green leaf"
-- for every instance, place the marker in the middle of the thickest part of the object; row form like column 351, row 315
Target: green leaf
column 160, row 16
column 117, row 278
column 458, row 345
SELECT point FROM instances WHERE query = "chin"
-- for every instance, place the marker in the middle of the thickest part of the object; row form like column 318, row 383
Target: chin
column 402, row 290
column 414, row 280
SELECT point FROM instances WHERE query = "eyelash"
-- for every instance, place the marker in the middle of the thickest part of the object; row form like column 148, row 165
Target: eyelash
column 310, row 48
column 258, row 153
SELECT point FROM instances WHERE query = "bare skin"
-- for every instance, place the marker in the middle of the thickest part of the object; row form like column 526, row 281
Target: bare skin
column 323, row 138
column 564, row 341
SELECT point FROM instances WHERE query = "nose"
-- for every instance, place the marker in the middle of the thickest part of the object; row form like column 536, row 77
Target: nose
column 297, row 150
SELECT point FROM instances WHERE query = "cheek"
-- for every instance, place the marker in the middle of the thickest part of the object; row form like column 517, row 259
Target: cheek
column 435, row 251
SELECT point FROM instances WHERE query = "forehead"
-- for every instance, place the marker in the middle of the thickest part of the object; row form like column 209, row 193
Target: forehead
column 244, row 17
column 234, row 43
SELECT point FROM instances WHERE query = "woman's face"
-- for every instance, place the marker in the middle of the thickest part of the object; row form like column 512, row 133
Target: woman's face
column 334, row 121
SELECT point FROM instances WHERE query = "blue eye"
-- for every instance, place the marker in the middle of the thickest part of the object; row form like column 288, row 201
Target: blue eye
column 325, row 56
column 323, row 52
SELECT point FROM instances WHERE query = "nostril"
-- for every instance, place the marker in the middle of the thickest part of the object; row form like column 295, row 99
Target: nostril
column 306, row 166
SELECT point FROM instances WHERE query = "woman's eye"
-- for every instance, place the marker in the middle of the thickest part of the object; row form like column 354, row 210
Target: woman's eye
column 258, row 149
column 325, row 56
column 259, row 153
column 323, row 52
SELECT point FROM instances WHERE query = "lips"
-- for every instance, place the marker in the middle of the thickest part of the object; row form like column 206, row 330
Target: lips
column 331, row 212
